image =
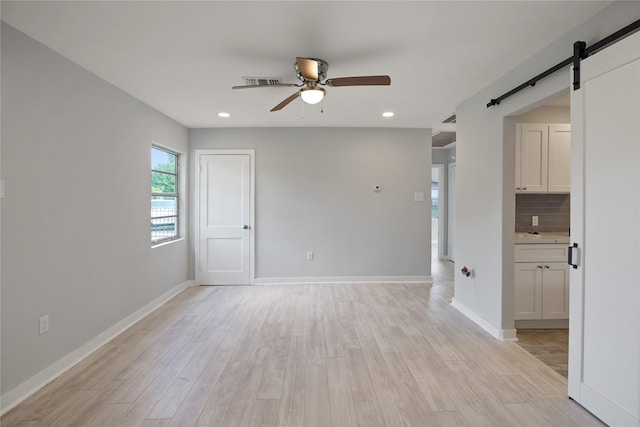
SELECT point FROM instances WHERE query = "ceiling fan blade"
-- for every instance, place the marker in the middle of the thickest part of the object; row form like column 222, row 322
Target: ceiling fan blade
column 360, row 81
column 286, row 102
column 308, row 68
column 276, row 85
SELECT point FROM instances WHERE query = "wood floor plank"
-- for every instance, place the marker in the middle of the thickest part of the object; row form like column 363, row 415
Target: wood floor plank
column 108, row 415
column 273, row 378
column 195, row 401
column 222, row 394
column 241, row 406
column 342, row 408
column 316, row 396
column 291, row 411
column 368, row 410
column 265, row 413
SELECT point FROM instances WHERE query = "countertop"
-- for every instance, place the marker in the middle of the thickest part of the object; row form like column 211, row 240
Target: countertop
column 554, row 237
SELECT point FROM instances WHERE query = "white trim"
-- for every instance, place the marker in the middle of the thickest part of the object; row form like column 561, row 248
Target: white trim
column 443, row 190
column 252, row 214
column 497, row 333
column 167, row 242
column 13, row 397
column 342, row 279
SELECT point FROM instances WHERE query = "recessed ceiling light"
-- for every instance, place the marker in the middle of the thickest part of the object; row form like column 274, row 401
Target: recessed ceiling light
column 388, row 114
column 224, row 115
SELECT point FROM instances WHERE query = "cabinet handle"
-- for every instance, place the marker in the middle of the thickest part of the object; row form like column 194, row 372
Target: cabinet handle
column 546, row 266
column 539, row 266
column 524, row 188
column 517, row 188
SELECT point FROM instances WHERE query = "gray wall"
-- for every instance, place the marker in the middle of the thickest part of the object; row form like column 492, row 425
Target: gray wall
column 439, row 156
column 314, row 193
column 486, row 169
column 75, row 220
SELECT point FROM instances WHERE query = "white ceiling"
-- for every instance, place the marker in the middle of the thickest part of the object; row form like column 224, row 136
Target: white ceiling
column 183, row 57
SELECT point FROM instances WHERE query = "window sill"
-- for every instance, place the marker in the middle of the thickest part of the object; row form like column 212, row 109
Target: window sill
column 161, row 244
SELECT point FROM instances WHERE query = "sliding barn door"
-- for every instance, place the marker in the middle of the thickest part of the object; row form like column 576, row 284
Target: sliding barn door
column 604, row 348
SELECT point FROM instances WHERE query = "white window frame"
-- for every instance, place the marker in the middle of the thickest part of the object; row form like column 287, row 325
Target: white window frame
column 177, row 195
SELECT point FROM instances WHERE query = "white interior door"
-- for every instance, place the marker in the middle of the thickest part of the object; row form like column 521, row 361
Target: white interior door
column 451, row 211
column 604, row 334
column 224, row 255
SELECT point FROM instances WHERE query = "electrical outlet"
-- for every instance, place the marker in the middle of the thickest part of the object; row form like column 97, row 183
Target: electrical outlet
column 44, row 324
column 534, row 221
column 309, row 256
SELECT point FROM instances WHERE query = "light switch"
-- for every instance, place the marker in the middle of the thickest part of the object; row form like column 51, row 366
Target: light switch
column 418, row 196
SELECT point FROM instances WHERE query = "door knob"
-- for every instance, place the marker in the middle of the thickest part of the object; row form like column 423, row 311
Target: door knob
column 246, row 227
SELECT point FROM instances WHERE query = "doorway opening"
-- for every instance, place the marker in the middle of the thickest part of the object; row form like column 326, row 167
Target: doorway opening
column 542, row 215
column 437, row 212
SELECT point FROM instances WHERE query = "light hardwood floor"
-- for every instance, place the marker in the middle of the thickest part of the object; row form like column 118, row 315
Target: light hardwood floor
column 307, row 355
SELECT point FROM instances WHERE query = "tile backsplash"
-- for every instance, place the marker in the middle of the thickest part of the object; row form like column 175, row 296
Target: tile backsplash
column 552, row 211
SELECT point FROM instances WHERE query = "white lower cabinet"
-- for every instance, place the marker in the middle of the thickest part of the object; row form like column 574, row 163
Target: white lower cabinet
column 541, row 288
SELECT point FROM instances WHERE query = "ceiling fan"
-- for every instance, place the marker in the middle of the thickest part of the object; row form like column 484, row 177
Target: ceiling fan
column 312, row 72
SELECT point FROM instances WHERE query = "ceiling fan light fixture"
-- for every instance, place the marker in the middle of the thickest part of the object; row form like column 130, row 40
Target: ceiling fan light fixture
column 312, row 95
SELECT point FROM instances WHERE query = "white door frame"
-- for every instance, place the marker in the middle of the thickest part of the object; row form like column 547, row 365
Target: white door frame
column 252, row 235
column 451, row 191
column 442, row 210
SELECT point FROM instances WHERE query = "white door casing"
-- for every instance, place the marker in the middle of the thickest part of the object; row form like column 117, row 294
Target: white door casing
column 451, row 211
column 442, row 211
column 224, row 217
column 604, row 334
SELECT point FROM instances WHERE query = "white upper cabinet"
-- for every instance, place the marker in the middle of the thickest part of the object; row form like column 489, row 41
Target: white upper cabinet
column 542, row 158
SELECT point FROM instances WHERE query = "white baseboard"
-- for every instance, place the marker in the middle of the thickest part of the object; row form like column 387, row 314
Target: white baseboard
column 497, row 333
column 341, row 279
column 13, row 397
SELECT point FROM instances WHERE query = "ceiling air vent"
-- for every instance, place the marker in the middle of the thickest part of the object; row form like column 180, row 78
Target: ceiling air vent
column 442, row 139
column 450, row 119
column 266, row 81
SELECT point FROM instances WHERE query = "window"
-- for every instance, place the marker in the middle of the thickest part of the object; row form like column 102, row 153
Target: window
column 164, row 195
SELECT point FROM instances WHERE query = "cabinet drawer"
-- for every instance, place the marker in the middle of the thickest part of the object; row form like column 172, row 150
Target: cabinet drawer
column 541, row 253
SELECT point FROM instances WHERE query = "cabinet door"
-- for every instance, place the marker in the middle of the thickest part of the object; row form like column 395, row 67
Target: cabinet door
column 555, row 291
column 534, row 146
column 559, row 158
column 528, row 291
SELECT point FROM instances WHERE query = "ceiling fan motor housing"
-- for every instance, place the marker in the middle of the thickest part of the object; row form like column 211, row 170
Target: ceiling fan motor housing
column 323, row 66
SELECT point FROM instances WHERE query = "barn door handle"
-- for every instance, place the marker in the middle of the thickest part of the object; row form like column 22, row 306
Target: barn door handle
column 570, row 255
